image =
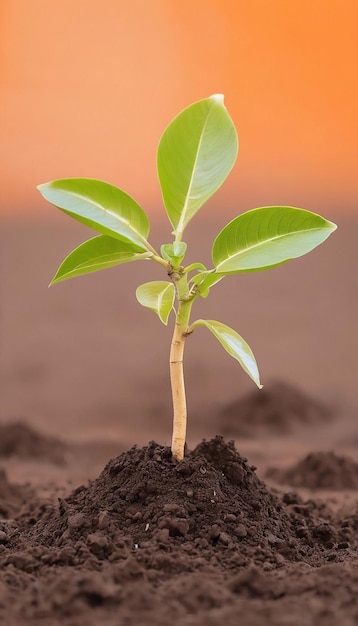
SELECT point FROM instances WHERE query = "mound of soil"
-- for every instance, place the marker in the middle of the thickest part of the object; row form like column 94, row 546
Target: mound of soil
column 276, row 410
column 211, row 498
column 20, row 439
column 319, row 470
column 152, row 540
column 12, row 497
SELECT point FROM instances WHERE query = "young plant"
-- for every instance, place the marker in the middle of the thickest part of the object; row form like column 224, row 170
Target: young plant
column 195, row 155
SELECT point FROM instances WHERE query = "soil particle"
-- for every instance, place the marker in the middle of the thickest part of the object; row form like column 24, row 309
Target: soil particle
column 277, row 409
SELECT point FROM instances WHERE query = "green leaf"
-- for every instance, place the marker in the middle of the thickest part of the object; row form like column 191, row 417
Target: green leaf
column 205, row 280
column 195, row 155
column 235, row 345
column 158, row 296
column 195, row 266
column 97, row 254
column 174, row 252
column 268, row 236
column 101, row 206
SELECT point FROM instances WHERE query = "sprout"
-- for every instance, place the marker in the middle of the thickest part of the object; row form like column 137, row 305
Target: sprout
column 195, row 155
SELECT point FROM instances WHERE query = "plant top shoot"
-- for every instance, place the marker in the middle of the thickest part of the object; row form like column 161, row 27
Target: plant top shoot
column 195, row 155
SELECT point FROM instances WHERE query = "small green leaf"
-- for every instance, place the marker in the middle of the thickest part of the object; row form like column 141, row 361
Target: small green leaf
column 195, row 266
column 101, row 206
column 174, row 252
column 205, row 280
column 97, row 254
column 234, row 345
column 195, row 155
column 268, row 236
column 158, row 296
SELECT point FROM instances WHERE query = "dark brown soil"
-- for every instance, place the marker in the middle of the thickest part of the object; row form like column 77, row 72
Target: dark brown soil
column 21, row 440
column 280, row 408
column 12, row 497
column 152, row 540
column 319, row 470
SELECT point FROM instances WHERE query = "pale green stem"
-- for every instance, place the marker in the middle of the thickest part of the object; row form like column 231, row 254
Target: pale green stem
column 158, row 259
column 176, row 367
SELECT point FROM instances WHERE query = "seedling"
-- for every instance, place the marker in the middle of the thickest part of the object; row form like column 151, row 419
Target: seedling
column 195, row 155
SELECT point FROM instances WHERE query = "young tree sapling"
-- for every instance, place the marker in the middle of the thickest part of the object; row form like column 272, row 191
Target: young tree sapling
column 195, row 155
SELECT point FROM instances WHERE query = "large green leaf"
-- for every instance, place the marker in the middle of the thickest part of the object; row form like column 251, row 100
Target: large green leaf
column 268, row 236
column 97, row 254
column 158, row 296
column 195, row 155
column 101, row 206
column 235, row 345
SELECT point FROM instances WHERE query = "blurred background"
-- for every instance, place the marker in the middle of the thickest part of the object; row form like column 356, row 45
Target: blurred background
column 86, row 90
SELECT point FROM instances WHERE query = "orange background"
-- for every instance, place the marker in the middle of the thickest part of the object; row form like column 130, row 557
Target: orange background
column 88, row 87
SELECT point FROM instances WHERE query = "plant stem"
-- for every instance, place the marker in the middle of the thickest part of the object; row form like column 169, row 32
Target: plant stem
column 178, row 393
column 158, row 259
column 176, row 366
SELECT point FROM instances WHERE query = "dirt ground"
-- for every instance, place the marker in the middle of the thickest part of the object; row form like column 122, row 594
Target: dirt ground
column 97, row 531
